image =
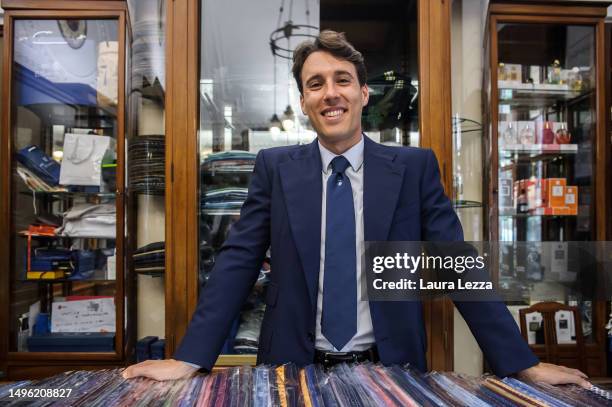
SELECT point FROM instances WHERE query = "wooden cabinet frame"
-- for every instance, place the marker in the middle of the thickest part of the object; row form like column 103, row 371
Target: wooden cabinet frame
column 39, row 364
column 182, row 56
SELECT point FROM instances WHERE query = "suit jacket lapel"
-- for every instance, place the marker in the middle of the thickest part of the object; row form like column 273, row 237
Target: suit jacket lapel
column 302, row 182
column 381, row 188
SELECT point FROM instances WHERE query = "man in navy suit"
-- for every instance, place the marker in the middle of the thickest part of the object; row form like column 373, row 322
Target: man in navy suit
column 314, row 206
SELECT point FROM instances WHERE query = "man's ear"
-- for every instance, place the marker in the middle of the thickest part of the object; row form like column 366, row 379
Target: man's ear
column 302, row 104
column 365, row 94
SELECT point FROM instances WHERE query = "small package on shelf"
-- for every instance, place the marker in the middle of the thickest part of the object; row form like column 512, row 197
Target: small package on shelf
column 557, row 257
column 537, row 193
column 506, row 193
column 526, row 133
column 508, row 134
column 562, row 134
column 40, row 164
column 520, row 196
column 510, row 73
column 535, row 74
column 544, row 132
column 556, row 192
column 571, row 199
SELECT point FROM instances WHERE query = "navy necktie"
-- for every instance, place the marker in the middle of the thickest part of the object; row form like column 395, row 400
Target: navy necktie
column 339, row 315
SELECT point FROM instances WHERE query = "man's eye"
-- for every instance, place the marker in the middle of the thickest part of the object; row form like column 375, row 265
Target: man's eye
column 314, row 85
column 344, row 80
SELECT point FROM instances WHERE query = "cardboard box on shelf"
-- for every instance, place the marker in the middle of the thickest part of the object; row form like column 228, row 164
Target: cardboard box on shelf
column 537, row 193
column 556, row 192
column 571, row 199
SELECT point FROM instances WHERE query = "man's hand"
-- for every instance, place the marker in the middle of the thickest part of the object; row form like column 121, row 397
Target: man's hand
column 168, row 369
column 554, row 374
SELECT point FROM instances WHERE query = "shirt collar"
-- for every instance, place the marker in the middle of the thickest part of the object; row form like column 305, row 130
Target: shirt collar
column 354, row 155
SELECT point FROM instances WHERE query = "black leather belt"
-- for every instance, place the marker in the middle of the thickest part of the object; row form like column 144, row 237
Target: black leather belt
column 328, row 359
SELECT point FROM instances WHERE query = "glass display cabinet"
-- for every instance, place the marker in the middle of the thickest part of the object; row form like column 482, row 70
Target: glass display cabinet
column 545, row 160
column 62, row 295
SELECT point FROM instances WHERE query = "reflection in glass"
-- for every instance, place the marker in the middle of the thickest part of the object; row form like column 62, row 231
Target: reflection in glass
column 249, row 101
column 146, row 152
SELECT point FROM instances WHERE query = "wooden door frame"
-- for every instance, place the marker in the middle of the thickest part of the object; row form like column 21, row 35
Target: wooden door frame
column 182, row 67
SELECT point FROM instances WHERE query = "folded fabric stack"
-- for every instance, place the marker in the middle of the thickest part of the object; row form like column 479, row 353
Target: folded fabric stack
column 150, row 259
column 89, row 220
column 148, row 62
column 247, row 337
column 365, row 384
column 229, row 161
column 146, row 165
column 224, row 201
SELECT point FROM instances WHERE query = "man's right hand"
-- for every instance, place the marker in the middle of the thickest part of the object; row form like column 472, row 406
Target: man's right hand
column 168, row 369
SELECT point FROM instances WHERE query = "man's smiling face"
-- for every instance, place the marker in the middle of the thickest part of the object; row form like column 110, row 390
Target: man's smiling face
column 332, row 97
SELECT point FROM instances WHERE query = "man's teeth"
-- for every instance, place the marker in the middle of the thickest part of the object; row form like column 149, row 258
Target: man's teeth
column 333, row 113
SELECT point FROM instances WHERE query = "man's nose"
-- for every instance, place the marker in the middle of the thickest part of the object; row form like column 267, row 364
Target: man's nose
column 331, row 92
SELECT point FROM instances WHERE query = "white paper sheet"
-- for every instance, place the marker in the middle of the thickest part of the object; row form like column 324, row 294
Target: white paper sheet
column 91, row 315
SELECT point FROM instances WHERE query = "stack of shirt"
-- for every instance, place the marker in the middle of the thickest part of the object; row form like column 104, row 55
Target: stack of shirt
column 150, row 259
column 367, row 384
column 224, row 201
column 89, row 220
column 229, row 161
column 146, row 165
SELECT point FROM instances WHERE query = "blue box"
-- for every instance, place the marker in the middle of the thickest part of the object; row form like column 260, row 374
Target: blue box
column 143, row 348
column 72, row 342
column 158, row 349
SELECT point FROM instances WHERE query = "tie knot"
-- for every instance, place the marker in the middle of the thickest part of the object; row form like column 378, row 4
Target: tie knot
column 339, row 165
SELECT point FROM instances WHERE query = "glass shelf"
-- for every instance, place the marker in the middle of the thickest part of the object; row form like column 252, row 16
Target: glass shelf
column 464, row 204
column 220, row 212
column 70, row 195
column 531, row 215
column 66, row 280
column 542, row 95
column 539, row 148
column 40, row 236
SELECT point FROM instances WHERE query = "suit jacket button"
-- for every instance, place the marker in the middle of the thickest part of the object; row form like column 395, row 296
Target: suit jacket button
column 311, row 337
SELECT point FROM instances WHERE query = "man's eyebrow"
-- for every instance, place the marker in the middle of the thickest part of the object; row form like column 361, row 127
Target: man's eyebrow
column 342, row 72
column 336, row 73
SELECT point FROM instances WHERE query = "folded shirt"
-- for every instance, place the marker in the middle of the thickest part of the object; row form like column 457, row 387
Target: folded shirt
column 87, row 220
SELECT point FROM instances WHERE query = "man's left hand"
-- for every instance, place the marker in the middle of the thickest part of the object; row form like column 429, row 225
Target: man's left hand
column 554, row 374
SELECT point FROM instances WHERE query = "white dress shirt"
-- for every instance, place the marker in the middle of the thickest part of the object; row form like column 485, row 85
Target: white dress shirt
column 364, row 338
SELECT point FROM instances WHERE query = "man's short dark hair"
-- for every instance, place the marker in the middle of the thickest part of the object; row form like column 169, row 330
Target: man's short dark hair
column 334, row 43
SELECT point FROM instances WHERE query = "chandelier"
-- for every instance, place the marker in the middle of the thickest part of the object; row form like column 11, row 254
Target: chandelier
column 289, row 30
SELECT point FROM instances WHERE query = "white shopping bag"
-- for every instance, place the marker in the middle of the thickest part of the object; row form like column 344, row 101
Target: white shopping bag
column 82, row 160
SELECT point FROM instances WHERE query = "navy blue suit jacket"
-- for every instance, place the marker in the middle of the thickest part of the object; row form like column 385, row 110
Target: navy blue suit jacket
column 403, row 201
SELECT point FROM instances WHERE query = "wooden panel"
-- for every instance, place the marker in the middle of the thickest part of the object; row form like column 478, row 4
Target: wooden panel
column 35, row 372
column 436, row 133
column 182, row 250
column 547, row 10
column 63, row 5
column 5, row 193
